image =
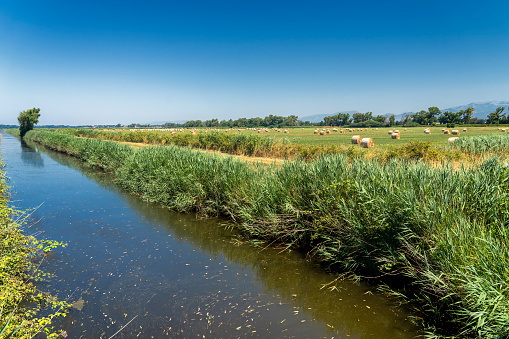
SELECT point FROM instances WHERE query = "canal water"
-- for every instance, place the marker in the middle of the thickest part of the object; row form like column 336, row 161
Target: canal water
column 175, row 275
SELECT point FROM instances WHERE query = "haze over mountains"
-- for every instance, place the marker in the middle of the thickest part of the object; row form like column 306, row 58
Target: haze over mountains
column 482, row 109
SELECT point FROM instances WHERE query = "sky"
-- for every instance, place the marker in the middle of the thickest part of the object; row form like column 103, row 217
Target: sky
column 108, row 62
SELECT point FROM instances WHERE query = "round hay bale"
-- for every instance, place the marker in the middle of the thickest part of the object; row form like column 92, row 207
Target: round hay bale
column 405, row 129
column 316, row 131
column 396, row 131
column 427, row 131
column 455, row 132
column 452, row 139
column 367, row 142
column 443, row 129
column 447, row 131
column 395, row 135
column 342, row 131
column 322, row 132
column 464, row 129
column 390, row 132
column 356, row 139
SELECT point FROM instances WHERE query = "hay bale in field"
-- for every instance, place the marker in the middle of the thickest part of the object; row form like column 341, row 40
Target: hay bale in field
column 395, row 135
column 334, row 129
column 443, row 129
column 341, row 131
column 322, row 132
column 405, row 129
column 390, row 132
column 376, row 129
column 447, row 131
column 396, row 131
column 315, row 132
column 367, row 142
column 287, row 131
column 464, row 129
column 328, row 131
column 427, row 131
column 452, row 139
column 455, row 132
column 503, row 129
column 356, row 139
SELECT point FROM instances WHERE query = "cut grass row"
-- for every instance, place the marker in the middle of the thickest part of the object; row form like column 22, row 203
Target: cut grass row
column 441, row 233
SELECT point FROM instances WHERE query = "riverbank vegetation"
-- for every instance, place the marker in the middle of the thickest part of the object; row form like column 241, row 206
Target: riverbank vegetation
column 437, row 234
column 24, row 311
column 411, row 144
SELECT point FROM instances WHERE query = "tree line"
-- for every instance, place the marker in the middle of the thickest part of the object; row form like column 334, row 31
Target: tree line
column 268, row 121
column 432, row 116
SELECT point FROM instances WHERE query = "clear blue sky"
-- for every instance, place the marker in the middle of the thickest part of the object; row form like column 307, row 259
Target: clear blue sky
column 93, row 62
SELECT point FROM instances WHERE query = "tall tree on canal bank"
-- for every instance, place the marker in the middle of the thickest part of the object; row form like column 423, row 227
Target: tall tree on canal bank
column 27, row 119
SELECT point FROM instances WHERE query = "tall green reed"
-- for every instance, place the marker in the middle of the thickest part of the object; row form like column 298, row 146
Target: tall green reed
column 440, row 232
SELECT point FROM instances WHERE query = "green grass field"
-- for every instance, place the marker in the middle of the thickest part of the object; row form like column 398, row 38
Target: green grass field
column 382, row 138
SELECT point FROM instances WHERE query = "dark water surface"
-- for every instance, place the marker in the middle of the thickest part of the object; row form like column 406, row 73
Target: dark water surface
column 177, row 275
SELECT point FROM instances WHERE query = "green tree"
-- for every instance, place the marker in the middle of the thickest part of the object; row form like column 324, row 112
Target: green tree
column 426, row 118
column 27, row 119
column 494, row 118
column 391, row 120
column 467, row 115
column 450, row 117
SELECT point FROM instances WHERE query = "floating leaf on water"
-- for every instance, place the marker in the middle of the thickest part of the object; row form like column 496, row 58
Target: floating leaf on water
column 78, row 304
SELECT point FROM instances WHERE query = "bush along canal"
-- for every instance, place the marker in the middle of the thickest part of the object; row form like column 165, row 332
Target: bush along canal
column 175, row 275
column 440, row 233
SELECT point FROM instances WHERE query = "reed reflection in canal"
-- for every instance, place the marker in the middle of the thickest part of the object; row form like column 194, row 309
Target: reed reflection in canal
column 176, row 275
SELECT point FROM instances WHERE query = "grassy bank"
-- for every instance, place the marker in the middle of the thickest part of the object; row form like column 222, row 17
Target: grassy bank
column 17, row 272
column 440, row 234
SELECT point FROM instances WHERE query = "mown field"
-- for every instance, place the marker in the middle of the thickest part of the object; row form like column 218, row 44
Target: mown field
column 381, row 137
column 306, row 136
column 438, row 236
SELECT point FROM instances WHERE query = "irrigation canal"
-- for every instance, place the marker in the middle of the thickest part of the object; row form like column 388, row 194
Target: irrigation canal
column 175, row 275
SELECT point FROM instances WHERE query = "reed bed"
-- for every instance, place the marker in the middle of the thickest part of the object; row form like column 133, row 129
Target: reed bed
column 483, row 144
column 440, row 233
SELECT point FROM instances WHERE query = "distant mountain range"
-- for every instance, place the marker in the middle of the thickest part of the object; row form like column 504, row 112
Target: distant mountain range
column 482, row 109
